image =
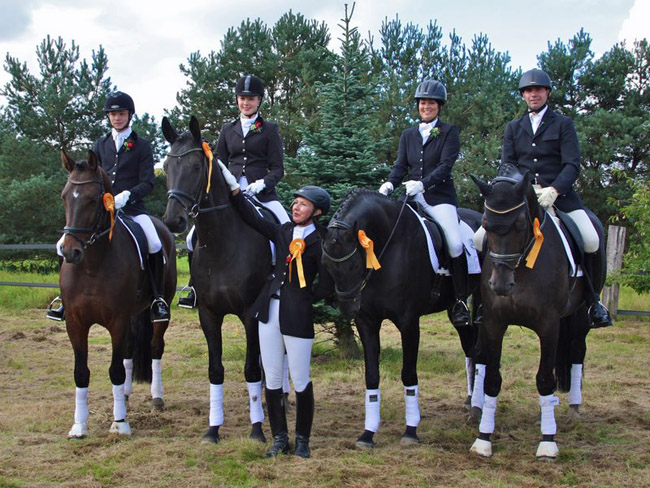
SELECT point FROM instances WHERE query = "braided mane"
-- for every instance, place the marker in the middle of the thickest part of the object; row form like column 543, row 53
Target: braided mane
column 351, row 198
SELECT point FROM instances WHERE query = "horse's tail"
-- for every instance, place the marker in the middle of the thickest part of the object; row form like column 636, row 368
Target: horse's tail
column 572, row 346
column 141, row 336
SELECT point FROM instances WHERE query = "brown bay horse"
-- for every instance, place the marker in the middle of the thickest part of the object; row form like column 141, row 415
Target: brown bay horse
column 102, row 282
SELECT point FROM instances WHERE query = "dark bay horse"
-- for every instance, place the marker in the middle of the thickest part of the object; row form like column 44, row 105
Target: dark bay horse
column 403, row 289
column 229, row 266
column 101, row 282
column 526, row 281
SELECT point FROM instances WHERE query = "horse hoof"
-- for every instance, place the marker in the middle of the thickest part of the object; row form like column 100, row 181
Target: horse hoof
column 211, row 436
column 481, row 448
column 78, row 431
column 365, row 440
column 257, row 434
column 467, row 406
column 157, row 405
column 120, row 428
column 408, row 440
column 547, row 451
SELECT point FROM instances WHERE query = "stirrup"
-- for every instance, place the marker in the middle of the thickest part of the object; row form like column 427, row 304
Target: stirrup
column 188, row 301
column 455, row 312
column 164, row 315
column 58, row 313
column 602, row 320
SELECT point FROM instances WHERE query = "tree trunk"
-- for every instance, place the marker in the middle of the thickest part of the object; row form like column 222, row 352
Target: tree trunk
column 347, row 345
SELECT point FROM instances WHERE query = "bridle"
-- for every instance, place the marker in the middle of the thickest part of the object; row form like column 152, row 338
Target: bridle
column 513, row 260
column 358, row 288
column 192, row 203
column 94, row 230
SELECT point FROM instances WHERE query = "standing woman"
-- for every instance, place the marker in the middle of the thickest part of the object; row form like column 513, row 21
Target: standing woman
column 251, row 147
column 427, row 154
column 284, row 307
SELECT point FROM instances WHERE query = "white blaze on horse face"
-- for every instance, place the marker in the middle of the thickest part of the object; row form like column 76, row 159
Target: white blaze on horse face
column 75, row 194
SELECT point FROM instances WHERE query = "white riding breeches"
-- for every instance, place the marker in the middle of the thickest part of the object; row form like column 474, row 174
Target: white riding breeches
column 273, row 345
column 274, row 205
column 144, row 221
column 446, row 215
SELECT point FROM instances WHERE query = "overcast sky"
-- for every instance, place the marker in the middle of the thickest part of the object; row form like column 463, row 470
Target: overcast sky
column 146, row 40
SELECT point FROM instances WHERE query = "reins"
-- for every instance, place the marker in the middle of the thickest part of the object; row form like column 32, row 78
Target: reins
column 194, row 209
column 339, row 224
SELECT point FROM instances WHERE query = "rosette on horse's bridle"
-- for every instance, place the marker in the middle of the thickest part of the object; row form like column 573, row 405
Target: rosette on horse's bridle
column 369, row 246
column 109, row 205
column 296, row 248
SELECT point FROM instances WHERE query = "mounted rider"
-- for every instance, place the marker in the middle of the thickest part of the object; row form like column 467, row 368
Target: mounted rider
column 128, row 160
column 544, row 143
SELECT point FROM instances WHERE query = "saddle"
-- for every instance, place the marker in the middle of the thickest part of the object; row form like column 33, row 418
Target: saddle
column 138, row 237
column 572, row 233
column 436, row 233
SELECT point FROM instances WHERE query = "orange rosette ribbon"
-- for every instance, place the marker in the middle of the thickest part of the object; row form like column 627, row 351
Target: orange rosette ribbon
column 109, row 205
column 208, row 152
column 539, row 239
column 369, row 246
column 296, row 248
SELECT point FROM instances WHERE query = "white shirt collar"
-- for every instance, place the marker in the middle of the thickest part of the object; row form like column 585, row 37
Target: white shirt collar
column 300, row 232
column 536, row 118
column 120, row 137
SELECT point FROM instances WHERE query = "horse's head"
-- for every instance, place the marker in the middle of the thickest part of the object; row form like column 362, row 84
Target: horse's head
column 344, row 257
column 84, row 205
column 510, row 207
column 187, row 168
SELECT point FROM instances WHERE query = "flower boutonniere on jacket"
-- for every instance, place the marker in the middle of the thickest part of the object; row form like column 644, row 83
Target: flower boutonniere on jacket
column 435, row 132
column 256, row 127
column 128, row 144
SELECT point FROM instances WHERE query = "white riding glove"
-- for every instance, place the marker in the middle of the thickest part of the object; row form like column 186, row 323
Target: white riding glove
column 413, row 187
column 121, row 199
column 228, row 176
column 386, row 188
column 255, row 187
column 547, row 197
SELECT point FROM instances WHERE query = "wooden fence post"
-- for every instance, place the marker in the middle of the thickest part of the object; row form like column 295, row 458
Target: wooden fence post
column 615, row 247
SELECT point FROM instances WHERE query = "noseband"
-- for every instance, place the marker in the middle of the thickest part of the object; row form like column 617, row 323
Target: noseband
column 194, row 201
column 94, row 230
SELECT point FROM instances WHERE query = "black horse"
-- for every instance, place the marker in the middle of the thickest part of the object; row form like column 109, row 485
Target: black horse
column 526, row 281
column 403, row 289
column 230, row 262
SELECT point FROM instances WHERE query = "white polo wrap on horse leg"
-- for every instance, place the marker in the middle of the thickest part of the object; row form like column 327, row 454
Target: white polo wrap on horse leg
column 216, row 405
column 119, row 402
column 80, row 427
column 479, row 384
column 128, row 381
column 487, row 418
column 373, row 405
column 412, row 407
column 469, row 371
column 547, row 404
column 156, row 378
column 255, row 401
column 575, row 392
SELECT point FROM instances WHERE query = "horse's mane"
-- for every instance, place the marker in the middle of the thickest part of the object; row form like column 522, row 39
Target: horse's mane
column 351, row 199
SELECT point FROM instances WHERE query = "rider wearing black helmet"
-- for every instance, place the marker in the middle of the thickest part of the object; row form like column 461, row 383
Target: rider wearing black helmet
column 426, row 154
column 284, row 307
column 252, row 148
column 545, row 143
column 128, row 160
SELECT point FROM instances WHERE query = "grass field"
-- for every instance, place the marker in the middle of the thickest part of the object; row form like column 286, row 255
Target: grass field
column 606, row 446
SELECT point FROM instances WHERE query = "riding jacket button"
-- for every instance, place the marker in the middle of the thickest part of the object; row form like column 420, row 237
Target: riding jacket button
column 534, row 160
column 245, row 158
column 534, row 145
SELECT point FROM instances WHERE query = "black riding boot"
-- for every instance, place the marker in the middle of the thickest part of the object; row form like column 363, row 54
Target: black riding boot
column 460, row 311
column 57, row 314
column 598, row 313
column 159, row 308
column 278, row 421
column 304, row 420
column 189, row 300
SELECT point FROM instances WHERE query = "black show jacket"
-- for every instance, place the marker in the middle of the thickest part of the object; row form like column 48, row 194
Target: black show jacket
column 296, row 304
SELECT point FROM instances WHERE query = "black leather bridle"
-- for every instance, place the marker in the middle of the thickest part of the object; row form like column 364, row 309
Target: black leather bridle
column 95, row 230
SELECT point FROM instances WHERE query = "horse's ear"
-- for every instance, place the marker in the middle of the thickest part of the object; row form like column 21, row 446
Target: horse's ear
column 67, row 162
column 521, row 185
column 484, row 187
column 168, row 131
column 92, row 160
column 195, row 129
